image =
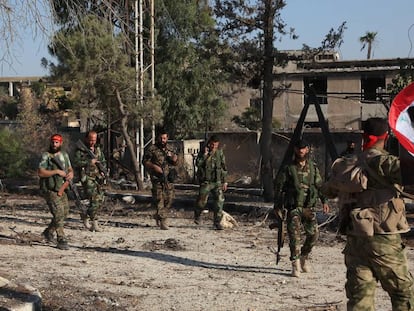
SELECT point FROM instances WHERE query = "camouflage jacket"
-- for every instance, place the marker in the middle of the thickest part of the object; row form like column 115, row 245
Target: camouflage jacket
column 84, row 168
column 158, row 156
column 380, row 189
column 211, row 168
column 296, row 187
column 54, row 182
column 379, row 209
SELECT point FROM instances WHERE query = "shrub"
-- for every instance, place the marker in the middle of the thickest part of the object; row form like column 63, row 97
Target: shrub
column 13, row 160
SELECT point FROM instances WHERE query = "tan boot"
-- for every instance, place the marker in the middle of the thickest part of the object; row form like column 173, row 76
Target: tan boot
column 86, row 223
column 304, row 264
column 163, row 224
column 296, row 268
column 95, row 226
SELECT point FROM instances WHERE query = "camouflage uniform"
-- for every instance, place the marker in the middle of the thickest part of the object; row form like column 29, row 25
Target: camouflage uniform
column 212, row 172
column 91, row 179
column 374, row 249
column 49, row 187
column 162, row 189
column 297, row 189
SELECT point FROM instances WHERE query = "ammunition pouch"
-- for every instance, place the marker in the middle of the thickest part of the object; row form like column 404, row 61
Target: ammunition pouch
column 52, row 183
column 387, row 218
column 362, row 222
column 390, row 217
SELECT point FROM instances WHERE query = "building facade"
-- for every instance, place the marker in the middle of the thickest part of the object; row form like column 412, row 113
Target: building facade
column 347, row 91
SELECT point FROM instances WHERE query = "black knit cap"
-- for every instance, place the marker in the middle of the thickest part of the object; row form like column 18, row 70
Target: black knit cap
column 375, row 126
column 301, row 143
column 214, row 139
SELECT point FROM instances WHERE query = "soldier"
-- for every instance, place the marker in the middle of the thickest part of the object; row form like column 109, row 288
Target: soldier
column 92, row 179
column 52, row 186
column 211, row 172
column 350, row 149
column 297, row 188
column 374, row 250
column 158, row 160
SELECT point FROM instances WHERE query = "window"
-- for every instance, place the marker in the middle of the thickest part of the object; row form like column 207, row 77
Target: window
column 372, row 88
column 319, row 85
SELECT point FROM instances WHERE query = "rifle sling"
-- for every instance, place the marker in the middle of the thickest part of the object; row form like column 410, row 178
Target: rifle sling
column 383, row 182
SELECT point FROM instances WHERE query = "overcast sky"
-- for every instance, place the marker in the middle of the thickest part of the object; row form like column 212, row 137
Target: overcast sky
column 312, row 19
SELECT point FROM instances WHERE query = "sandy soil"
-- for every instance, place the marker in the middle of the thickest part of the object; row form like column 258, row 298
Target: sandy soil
column 132, row 265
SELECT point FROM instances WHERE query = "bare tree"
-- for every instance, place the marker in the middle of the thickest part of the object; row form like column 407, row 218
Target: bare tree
column 18, row 18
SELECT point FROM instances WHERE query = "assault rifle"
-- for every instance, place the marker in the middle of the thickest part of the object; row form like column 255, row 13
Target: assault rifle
column 281, row 214
column 170, row 177
column 80, row 145
column 69, row 183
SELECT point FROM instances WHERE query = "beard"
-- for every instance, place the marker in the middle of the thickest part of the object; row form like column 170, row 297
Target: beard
column 54, row 150
column 162, row 145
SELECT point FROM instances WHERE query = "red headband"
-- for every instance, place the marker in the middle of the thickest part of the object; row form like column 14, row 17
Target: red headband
column 371, row 140
column 57, row 137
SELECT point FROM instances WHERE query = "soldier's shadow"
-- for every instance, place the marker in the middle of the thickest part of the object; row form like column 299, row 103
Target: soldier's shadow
column 190, row 262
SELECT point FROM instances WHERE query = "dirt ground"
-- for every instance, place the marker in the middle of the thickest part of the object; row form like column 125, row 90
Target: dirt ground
column 132, row 265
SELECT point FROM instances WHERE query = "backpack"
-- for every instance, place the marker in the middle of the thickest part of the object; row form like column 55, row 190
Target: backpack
column 348, row 175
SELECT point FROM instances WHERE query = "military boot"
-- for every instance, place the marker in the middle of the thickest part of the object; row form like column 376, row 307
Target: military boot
column 218, row 226
column 296, row 268
column 48, row 235
column 197, row 218
column 157, row 220
column 95, row 226
column 85, row 220
column 163, row 224
column 86, row 223
column 62, row 244
column 304, row 264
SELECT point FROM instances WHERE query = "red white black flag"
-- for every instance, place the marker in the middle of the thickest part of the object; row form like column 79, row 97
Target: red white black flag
column 401, row 118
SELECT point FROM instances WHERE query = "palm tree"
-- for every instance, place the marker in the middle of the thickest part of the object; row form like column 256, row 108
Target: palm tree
column 368, row 40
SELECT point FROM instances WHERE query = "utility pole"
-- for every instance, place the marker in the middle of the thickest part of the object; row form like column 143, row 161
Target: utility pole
column 140, row 69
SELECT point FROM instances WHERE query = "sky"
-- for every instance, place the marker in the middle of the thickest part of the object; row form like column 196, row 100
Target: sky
column 312, row 19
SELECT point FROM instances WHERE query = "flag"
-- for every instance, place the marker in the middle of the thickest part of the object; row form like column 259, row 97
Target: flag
column 401, row 118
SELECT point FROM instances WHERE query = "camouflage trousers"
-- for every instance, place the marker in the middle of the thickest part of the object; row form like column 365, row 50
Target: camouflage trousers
column 94, row 193
column 162, row 198
column 218, row 199
column 369, row 259
column 59, row 208
column 296, row 219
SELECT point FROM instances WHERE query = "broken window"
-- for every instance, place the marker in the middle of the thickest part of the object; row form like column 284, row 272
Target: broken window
column 372, row 88
column 319, row 85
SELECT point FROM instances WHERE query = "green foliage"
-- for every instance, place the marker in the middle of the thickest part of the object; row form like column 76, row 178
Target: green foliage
column 250, row 119
column 12, row 157
column 8, row 108
column 91, row 56
column 332, row 41
column 404, row 77
column 189, row 73
column 38, row 88
column 65, row 103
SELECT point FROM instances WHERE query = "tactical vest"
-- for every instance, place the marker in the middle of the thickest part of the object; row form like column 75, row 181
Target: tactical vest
column 89, row 170
column 212, row 170
column 52, row 183
column 379, row 210
column 159, row 157
column 299, row 193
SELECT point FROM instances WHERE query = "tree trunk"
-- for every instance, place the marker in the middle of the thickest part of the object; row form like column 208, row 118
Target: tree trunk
column 130, row 145
column 266, row 137
column 369, row 50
